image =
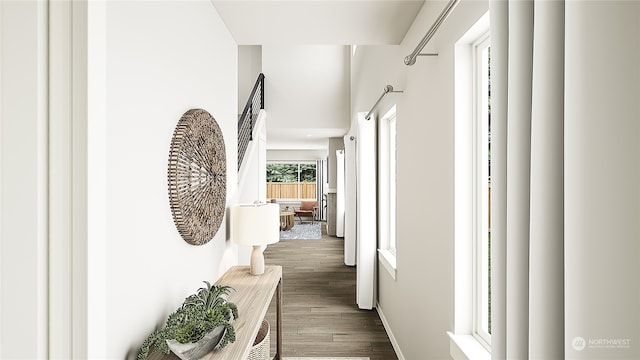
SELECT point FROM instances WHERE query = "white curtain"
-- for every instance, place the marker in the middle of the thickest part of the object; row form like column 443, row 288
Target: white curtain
column 366, row 215
column 321, row 181
column 339, row 193
column 527, row 79
column 541, row 128
column 350, row 198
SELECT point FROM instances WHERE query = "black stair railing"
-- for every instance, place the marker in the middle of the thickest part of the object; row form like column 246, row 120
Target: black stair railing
column 249, row 117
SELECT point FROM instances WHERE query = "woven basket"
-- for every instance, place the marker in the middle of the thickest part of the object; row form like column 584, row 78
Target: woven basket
column 261, row 349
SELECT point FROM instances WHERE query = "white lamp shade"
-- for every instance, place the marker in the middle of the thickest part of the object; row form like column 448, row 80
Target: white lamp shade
column 256, row 224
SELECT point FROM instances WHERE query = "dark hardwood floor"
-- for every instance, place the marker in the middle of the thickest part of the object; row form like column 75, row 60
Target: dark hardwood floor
column 320, row 316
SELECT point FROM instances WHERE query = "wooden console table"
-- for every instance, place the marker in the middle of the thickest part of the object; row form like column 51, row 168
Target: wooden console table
column 252, row 295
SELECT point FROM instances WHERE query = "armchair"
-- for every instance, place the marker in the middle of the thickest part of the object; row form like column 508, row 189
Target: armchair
column 307, row 208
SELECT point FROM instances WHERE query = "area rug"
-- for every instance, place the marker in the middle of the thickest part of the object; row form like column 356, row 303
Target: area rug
column 302, row 231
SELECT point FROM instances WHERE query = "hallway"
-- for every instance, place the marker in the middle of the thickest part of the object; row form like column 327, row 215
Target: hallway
column 320, row 317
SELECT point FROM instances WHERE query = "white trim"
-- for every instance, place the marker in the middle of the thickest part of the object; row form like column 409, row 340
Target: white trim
column 480, row 191
column 387, row 328
column 463, row 271
column 298, row 163
column 392, row 180
column 388, row 261
column 466, row 347
column 387, row 187
column 464, row 299
column 310, row 162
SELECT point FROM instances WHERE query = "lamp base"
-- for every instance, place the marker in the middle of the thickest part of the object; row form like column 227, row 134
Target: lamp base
column 257, row 261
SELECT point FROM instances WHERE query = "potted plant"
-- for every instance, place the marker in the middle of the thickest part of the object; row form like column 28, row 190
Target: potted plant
column 202, row 323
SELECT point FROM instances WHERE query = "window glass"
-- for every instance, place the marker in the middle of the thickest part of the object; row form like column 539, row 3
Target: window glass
column 291, row 181
column 392, row 183
column 482, row 193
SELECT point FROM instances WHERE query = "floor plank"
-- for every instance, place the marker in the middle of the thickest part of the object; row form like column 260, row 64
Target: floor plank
column 320, row 316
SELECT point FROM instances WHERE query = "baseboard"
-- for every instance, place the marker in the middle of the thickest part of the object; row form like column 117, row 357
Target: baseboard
column 387, row 328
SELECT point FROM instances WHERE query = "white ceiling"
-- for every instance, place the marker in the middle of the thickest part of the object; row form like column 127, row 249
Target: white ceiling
column 299, row 23
column 325, row 22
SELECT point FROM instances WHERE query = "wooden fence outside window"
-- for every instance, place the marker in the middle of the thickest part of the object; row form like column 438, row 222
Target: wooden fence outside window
column 291, row 190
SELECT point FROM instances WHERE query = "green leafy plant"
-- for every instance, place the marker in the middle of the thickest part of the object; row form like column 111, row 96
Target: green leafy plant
column 200, row 313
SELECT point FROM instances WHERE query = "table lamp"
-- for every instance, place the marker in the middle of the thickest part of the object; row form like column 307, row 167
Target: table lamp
column 256, row 225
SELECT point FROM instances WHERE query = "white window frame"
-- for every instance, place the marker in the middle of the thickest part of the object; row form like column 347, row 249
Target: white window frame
column 464, row 342
column 480, row 191
column 298, row 163
column 387, row 175
column 393, row 174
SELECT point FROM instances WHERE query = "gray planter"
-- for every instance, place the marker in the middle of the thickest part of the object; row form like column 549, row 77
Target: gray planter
column 194, row 351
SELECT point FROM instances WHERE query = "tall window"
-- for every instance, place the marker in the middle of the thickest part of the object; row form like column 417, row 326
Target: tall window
column 387, row 155
column 482, row 189
column 392, row 182
column 291, row 180
column 472, row 266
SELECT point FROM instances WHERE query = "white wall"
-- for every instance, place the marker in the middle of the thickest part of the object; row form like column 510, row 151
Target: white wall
column 163, row 58
column 418, row 305
column 373, row 68
column 249, row 67
column 601, row 174
column 296, row 155
column 252, row 176
column 306, row 86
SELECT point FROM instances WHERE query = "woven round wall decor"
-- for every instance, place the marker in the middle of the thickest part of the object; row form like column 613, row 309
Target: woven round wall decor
column 197, row 177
